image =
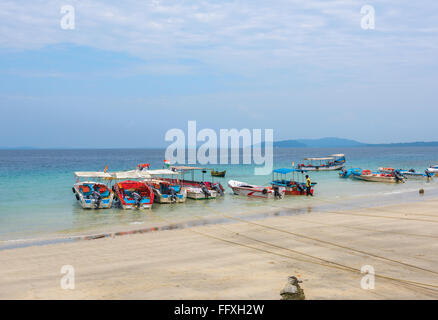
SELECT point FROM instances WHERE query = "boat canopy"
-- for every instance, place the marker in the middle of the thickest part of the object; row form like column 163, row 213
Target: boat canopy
column 288, row 170
column 92, row 174
column 317, row 159
column 161, row 172
column 184, row 168
column 338, row 155
column 131, row 174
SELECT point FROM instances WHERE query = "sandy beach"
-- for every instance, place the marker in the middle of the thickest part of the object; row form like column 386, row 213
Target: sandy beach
column 245, row 259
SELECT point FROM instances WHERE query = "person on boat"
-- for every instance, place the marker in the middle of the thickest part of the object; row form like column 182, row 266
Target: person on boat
column 308, row 186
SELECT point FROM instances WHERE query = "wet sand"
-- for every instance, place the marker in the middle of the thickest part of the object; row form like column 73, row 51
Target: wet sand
column 244, row 259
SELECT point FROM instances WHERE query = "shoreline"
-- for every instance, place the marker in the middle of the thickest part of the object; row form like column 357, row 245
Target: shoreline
column 216, row 217
column 246, row 259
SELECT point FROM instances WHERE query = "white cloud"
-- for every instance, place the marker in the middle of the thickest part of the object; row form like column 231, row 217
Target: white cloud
column 236, row 35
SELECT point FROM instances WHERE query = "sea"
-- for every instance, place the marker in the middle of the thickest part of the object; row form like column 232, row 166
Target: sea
column 37, row 202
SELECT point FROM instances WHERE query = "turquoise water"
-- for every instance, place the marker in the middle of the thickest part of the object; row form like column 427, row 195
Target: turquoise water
column 36, row 200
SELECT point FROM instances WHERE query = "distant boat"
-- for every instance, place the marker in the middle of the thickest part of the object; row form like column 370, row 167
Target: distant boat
column 220, row 174
column 333, row 162
column 254, row 191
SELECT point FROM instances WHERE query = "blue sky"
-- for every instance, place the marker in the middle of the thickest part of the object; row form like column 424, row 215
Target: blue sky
column 131, row 70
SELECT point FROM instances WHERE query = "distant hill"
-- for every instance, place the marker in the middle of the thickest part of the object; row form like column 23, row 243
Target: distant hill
column 289, row 144
column 332, row 142
column 17, row 148
column 329, row 142
column 406, row 144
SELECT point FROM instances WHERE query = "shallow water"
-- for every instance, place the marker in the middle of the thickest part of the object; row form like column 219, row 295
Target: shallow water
column 36, row 200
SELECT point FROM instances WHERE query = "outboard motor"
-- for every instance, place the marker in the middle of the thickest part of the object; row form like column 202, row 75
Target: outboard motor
column 172, row 194
column 412, row 170
column 137, row 198
column 398, row 176
column 217, row 187
column 205, row 190
column 428, row 174
column 343, row 173
column 97, row 199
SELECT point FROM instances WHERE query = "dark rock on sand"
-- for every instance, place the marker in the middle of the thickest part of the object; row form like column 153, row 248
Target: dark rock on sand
column 292, row 290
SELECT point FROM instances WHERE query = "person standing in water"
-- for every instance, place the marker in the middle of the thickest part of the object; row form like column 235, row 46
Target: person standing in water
column 308, row 186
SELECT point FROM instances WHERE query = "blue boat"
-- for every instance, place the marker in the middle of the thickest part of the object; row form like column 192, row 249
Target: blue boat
column 347, row 173
column 293, row 180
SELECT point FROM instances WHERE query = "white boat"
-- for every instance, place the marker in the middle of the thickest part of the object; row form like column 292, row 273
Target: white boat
column 92, row 194
column 433, row 169
column 367, row 175
column 246, row 189
column 409, row 174
column 412, row 174
column 199, row 190
column 201, row 193
column 334, row 162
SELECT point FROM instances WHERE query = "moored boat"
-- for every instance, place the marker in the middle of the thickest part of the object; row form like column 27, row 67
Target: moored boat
column 334, row 162
column 91, row 194
column 412, row 174
column 198, row 190
column 433, row 169
column 347, row 173
column 392, row 177
column 246, row 189
column 132, row 194
column 219, row 174
column 409, row 174
column 166, row 190
column 295, row 184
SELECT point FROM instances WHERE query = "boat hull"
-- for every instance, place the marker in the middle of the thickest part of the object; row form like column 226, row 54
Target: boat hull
column 166, row 198
column 197, row 193
column 243, row 189
column 377, row 178
column 142, row 206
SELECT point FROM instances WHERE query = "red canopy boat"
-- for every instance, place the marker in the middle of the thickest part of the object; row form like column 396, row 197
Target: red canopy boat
column 134, row 194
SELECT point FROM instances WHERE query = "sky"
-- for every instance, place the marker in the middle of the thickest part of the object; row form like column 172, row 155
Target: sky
column 131, row 70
